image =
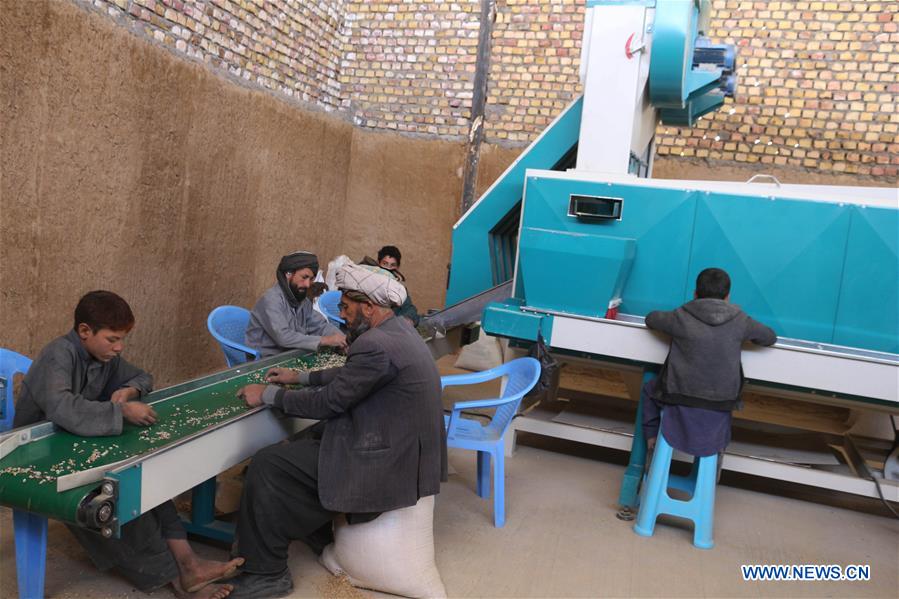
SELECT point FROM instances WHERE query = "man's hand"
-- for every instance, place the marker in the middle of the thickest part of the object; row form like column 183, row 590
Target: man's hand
column 282, row 376
column 124, row 395
column 252, row 394
column 337, row 340
column 139, row 413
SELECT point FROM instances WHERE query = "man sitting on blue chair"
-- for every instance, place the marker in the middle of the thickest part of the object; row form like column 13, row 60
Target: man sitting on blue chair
column 284, row 318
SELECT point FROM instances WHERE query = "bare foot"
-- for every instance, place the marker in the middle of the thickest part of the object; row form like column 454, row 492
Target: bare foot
column 200, row 572
column 214, row 591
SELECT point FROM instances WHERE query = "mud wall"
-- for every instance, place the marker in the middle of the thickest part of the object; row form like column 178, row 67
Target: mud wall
column 123, row 167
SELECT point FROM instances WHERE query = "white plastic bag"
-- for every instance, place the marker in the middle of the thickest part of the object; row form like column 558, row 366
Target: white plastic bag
column 483, row 354
column 394, row 553
column 333, row 266
column 319, row 278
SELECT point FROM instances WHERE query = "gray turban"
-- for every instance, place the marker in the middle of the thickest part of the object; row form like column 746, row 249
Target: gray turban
column 377, row 284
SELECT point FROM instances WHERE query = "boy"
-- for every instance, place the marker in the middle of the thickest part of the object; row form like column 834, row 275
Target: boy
column 702, row 377
column 390, row 258
column 82, row 384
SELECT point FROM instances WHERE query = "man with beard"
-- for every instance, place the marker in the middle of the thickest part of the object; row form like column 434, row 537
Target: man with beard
column 284, row 319
column 381, row 444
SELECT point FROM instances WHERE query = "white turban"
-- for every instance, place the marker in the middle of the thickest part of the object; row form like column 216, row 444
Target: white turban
column 376, row 283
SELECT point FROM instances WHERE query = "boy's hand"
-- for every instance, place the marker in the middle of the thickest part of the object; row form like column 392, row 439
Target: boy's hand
column 252, row 394
column 124, row 395
column 282, row 376
column 337, row 340
column 139, row 413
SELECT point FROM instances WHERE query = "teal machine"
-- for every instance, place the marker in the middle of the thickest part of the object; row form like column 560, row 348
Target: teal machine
column 591, row 244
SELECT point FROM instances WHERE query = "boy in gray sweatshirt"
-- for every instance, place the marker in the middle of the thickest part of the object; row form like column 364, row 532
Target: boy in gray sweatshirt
column 82, row 384
column 702, row 377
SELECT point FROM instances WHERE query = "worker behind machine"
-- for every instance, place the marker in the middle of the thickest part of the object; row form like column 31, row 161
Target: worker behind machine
column 389, row 258
column 284, row 318
column 82, row 384
column 700, row 383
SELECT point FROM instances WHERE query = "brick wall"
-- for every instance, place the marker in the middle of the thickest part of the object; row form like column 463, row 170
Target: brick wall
column 817, row 84
column 290, row 47
column 533, row 66
column 409, row 66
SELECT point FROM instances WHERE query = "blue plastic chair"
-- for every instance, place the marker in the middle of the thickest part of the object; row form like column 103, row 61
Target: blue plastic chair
column 11, row 364
column 487, row 439
column 228, row 324
column 29, row 530
column 328, row 301
column 700, row 484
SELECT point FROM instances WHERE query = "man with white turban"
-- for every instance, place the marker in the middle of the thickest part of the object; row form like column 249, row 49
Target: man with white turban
column 284, row 319
column 382, row 443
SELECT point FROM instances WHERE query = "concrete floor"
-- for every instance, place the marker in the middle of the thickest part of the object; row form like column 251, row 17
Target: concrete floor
column 562, row 539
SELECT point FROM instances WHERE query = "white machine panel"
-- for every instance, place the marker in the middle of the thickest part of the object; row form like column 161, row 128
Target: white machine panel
column 850, row 372
column 174, row 470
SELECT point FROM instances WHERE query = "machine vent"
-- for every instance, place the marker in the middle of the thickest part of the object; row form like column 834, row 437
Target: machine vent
column 594, row 208
column 504, row 244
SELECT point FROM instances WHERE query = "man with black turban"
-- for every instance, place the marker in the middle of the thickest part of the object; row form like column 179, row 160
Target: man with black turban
column 283, row 318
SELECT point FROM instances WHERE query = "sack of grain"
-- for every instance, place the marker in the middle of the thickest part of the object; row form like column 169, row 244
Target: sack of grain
column 394, row 553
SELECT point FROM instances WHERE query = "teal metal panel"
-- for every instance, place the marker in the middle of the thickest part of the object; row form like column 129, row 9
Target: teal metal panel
column 128, row 503
column 868, row 314
column 471, row 271
column 784, row 257
column 671, row 76
column 659, row 220
column 681, row 91
column 505, row 319
column 603, row 264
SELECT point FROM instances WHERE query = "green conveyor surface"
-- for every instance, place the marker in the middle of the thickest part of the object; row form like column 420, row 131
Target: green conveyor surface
column 28, row 474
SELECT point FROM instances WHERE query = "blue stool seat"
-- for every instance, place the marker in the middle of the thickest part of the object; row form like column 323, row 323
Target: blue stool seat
column 328, row 301
column 700, row 484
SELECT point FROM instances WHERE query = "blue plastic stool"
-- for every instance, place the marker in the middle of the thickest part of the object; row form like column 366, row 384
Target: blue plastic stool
column 655, row 500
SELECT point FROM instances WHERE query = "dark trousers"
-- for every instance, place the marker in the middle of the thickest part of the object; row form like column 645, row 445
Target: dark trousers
column 279, row 504
column 141, row 554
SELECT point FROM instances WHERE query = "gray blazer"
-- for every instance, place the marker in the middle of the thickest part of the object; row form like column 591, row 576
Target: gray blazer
column 383, row 444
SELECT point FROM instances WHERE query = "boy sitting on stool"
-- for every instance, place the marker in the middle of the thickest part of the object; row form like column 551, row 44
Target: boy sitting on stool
column 702, row 377
column 82, row 384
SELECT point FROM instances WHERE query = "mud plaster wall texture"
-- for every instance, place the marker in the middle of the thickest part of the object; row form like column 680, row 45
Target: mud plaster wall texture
column 125, row 167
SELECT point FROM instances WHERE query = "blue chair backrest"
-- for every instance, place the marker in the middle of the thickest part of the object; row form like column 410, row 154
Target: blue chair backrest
column 523, row 374
column 328, row 301
column 10, row 364
column 228, row 324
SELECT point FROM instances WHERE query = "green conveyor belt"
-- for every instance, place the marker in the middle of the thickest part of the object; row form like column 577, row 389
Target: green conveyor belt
column 28, row 474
